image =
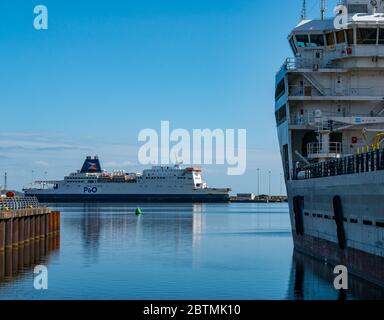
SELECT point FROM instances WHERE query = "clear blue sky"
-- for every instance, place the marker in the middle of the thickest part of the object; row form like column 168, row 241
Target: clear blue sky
column 107, row 69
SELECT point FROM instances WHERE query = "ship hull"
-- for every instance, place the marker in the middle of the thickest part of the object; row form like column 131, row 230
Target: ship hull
column 359, row 263
column 52, row 198
column 358, row 241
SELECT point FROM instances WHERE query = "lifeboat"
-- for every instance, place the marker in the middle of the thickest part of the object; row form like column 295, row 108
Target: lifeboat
column 10, row 194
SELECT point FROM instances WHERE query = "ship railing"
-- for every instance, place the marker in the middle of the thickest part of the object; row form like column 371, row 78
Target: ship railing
column 18, row 203
column 289, row 64
column 324, row 120
column 317, row 150
column 307, row 91
column 310, row 91
column 292, row 63
column 370, row 161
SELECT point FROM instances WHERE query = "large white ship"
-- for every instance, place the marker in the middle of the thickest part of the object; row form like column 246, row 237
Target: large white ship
column 160, row 183
column 330, row 119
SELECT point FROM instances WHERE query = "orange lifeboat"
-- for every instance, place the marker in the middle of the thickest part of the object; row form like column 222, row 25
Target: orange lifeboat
column 194, row 169
column 10, row 194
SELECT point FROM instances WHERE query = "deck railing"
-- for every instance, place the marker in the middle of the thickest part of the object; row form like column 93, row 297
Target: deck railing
column 316, row 149
column 18, row 203
column 359, row 163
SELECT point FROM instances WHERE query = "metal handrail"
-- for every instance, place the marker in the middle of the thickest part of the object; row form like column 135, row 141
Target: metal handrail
column 317, row 148
column 355, row 164
column 299, row 91
column 18, row 203
column 323, row 120
column 293, row 63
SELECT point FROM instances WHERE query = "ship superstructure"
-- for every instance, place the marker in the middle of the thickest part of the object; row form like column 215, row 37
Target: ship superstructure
column 160, row 183
column 330, row 119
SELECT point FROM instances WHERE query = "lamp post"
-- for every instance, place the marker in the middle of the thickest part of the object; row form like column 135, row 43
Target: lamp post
column 269, row 178
column 258, row 181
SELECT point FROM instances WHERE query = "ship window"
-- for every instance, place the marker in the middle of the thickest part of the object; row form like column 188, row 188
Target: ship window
column 330, row 39
column 281, row 115
column 350, row 37
column 340, row 36
column 280, row 89
column 302, row 40
column 293, row 45
column 380, row 224
column 354, row 221
column 366, row 36
column 381, row 36
column 357, row 8
column 317, row 40
column 367, row 222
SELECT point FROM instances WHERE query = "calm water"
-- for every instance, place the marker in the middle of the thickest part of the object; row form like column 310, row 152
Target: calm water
column 181, row 251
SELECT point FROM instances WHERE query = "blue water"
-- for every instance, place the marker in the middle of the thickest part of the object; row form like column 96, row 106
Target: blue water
column 175, row 251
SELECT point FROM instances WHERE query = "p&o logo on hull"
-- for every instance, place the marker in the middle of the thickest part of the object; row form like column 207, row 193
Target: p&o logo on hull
column 90, row 190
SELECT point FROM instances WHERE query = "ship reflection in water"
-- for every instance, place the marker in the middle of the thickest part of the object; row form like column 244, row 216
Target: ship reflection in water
column 174, row 251
column 313, row 280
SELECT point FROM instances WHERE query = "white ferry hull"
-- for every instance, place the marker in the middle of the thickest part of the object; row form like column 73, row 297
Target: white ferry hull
column 361, row 198
column 45, row 198
column 159, row 184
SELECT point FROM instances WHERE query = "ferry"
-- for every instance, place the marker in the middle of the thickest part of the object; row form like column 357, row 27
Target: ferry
column 158, row 184
column 329, row 107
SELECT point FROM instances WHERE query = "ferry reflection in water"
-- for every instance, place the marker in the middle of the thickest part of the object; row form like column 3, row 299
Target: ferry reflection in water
column 312, row 279
column 179, row 251
column 17, row 261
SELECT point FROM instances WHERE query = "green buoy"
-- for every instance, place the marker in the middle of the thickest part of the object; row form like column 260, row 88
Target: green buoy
column 138, row 212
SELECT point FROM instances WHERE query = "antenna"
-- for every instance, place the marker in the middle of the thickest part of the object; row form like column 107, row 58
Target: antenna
column 322, row 9
column 304, row 10
column 5, row 181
